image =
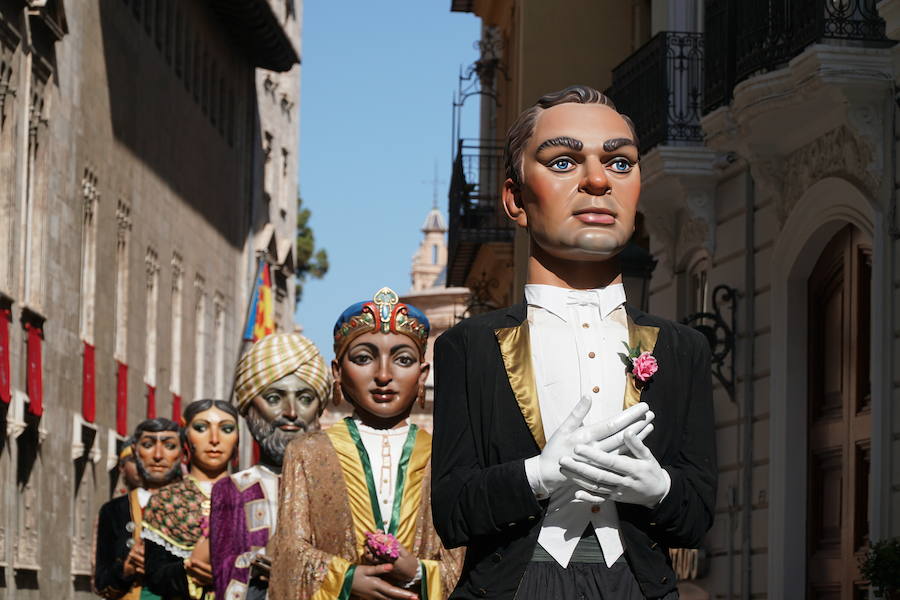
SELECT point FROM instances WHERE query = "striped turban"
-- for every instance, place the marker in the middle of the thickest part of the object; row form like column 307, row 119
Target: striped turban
column 275, row 356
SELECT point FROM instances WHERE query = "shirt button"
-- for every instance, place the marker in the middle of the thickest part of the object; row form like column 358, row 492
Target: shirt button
column 595, row 509
column 585, row 325
column 663, row 579
column 595, row 389
column 591, row 355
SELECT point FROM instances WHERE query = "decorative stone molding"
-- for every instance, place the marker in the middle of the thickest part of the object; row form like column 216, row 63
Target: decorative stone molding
column 849, row 89
column 84, row 440
column 151, row 264
column 678, row 186
column 890, row 12
column 837, row 153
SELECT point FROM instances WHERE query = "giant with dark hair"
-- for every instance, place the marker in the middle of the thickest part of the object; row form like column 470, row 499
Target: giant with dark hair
column 154, row 426
column 198, row 406
column 523, row 127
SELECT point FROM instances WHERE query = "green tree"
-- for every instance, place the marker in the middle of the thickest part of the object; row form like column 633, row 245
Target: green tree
column 311, row 262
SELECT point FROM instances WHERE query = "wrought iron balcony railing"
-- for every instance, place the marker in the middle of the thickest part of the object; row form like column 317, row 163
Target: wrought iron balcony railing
column 660, row 88
column 746, row 37
column 475, row 214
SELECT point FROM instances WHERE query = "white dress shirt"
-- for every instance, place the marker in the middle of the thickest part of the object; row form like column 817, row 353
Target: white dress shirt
column 143, row 495
column 576, row 338
column 384, row 447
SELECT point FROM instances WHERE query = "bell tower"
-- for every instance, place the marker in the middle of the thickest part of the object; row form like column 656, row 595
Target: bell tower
column 431, row 257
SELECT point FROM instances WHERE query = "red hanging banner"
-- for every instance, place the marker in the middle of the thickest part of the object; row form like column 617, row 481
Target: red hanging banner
column 176, row 409
column 34, row 384
column 151, row 401
column 5, row 390
column 88, row 387
column 122, row 398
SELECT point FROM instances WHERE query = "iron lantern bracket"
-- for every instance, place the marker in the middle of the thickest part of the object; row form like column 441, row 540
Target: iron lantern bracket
column 719, row 334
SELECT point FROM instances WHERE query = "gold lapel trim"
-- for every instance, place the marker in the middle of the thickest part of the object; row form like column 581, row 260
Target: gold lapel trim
column 515, row 348
column 644, row 336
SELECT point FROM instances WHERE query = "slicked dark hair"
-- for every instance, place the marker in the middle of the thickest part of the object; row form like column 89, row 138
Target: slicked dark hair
column 198, row 406
column 523, row 127
column 154, row 426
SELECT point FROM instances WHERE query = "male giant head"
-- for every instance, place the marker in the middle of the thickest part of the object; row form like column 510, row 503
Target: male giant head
column 281, row 387
column 573, row 181
column 157, row 450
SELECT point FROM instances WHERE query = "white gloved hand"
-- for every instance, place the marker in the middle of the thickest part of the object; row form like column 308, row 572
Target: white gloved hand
column 604, row 437
column 635, row 479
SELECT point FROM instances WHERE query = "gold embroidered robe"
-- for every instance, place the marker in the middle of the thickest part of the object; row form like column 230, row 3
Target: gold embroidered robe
column 324, row 512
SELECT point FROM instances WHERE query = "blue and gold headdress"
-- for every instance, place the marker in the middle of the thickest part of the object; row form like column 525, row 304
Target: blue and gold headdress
column 384, row 313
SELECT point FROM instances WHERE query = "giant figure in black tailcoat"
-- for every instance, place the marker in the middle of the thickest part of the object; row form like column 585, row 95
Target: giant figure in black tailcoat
column 574, row 439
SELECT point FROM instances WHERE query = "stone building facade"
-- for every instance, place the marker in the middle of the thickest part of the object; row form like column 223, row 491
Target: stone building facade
column 131, row 204
column 769, row 170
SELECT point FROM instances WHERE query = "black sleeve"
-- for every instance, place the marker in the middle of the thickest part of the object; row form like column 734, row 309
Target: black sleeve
column 687, row 512
column 164, row 572
column 112, row 548
column 469, row 499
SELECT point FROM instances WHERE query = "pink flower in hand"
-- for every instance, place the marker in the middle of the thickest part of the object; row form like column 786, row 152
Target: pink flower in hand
column 383, row 546
column 644, row 366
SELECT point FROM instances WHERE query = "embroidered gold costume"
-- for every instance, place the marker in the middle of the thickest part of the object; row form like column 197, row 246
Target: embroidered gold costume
column 328, row 504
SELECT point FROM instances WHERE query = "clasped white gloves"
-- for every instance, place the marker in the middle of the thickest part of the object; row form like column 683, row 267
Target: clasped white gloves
column 605, row 438
column 604, row 475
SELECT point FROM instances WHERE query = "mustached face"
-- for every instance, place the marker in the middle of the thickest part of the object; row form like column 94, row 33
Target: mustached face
column 281, row 412
column 158, row 457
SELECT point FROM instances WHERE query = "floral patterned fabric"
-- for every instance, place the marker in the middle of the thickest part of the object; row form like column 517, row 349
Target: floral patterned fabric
column 177, row 516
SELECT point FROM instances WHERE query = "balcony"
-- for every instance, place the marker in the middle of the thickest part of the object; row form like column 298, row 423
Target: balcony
column 660, row 88
column 475, row 214
column 747, row 37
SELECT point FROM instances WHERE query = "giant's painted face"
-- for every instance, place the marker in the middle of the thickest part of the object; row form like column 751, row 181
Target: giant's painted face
column 381, row 374
column 581, row 182
column 212, row 436
column 158, row 455
column 281, row 412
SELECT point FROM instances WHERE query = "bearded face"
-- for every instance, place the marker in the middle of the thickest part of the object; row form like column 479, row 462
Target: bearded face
column 281, row 412
column 158, row 457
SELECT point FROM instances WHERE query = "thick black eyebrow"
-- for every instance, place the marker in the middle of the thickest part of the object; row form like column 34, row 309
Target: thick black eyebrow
column 564, row 141
column 155, row 438
column 616, row 143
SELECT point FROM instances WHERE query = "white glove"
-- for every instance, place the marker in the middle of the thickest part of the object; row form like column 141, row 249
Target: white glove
column 635, row 479
column 544, row 470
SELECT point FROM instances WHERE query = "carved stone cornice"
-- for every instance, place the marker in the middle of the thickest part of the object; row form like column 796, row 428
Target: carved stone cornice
column 889, row 10
column 677, row 199
column 848, row 90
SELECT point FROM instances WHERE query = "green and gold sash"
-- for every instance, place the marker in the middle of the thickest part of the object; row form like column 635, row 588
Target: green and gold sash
column 363, row 499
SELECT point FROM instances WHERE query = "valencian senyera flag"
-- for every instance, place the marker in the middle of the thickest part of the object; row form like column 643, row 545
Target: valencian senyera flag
column 261, row 318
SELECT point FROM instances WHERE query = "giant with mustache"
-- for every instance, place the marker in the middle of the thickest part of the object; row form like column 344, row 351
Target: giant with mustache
column 281, row 388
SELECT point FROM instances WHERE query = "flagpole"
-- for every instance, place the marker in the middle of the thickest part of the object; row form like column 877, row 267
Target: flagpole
column 259, row 263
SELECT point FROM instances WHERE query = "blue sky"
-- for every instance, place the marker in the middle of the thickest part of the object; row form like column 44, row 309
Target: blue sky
column 377, row 84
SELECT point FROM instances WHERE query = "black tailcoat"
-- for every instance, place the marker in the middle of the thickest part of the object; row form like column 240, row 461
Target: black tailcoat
column 113, row 537
column 487, row 422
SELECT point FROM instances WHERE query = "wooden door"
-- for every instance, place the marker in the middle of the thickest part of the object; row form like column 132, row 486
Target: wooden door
column 839, row 417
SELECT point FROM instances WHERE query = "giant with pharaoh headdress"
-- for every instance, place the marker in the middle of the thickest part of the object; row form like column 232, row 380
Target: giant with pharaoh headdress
column 384, row 313
column 282, row 385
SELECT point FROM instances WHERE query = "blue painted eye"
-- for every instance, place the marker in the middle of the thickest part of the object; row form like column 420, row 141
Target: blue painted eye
column 621, row 165
column 562, row 165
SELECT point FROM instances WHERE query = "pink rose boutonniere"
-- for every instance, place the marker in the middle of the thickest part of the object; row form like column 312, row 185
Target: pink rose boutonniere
column 383, row 546
column 642, row 365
